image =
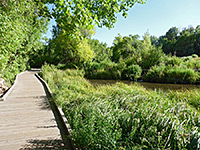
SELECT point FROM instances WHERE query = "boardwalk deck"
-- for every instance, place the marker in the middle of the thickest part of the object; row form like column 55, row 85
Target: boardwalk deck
column 26, row 119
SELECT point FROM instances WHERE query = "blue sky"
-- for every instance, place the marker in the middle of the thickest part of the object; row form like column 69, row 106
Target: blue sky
column 156, row 17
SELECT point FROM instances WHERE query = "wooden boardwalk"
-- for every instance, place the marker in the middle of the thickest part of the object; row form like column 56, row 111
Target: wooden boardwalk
column 27, row 121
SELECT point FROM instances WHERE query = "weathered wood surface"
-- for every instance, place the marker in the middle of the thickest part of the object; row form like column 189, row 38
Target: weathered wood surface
column 26, row 119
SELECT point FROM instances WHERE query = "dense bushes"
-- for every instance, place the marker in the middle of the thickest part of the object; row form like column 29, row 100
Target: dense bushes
column 171, row 74
column 171, row 69
column 111, row 70
column 122, row 116
column 175, row 70
column 193, row 63
column 132, row 72
column 102, row 70
column 12, row 69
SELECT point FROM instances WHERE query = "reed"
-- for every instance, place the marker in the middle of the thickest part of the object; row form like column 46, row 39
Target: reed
column 123, row 116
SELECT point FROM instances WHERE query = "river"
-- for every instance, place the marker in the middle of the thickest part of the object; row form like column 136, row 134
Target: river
column 147, row 85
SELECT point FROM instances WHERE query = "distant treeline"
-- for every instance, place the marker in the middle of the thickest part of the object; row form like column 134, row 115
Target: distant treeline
column 179, row 42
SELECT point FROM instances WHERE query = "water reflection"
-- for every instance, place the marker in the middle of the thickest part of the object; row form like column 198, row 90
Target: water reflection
column 147, row 85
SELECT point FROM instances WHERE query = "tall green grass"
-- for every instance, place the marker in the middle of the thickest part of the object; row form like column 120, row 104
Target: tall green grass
column 191, row 97
column 123, row 116
column 172, row 74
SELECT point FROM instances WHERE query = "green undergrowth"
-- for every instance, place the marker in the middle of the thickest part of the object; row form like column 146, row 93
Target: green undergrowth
column 10, row 72
column 123, row 116
column 175, row 70
column 192, row 97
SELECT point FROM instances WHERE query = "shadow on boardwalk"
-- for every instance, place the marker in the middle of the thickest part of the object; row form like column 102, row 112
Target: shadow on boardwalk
column 44, row 145
column 56, row 144
column 48, row 103
column 44, row 104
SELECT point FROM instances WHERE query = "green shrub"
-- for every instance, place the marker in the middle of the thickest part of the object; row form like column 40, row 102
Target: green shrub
column 91, row 68
column 173, row 61
column 103, row 70
column 12, row 69
column 168, row 74
column 155, row 74
column 195, row 56
column 154, row 57
column 133, row 72
column 193, row 64
column 66, row 66
column 186, row 58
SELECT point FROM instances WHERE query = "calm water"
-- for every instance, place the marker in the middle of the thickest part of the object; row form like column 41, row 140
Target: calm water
column 154, row 86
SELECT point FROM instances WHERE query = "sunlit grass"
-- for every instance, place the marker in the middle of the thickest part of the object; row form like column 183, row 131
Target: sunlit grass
column 124, row 116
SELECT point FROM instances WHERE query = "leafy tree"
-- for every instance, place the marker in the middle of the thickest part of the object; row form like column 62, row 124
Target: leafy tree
column 185, row 42
column 101, row 51
column 71, row 15
column 145, row 46
column 134, row 51
column 181, row 43
column 197, row 42
column 172, row 34
column 168, row 41
column 21, row 26
column 75, row 24
column 125, row 47
column 150, row 54
column 154, row 40
column 68, row 50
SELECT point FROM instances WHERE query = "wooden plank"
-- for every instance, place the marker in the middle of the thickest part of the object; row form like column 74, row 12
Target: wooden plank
column 27, row 121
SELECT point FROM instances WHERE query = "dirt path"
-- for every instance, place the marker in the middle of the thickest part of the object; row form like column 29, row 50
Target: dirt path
column 26, row 119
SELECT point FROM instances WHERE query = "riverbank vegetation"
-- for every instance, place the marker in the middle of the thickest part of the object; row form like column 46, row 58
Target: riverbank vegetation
column 175, row 70
column 124, row 116
column 130, row 58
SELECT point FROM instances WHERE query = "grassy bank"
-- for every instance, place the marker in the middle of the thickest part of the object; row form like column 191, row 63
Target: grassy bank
column 123, row 116
column 172, row 74
column 170, row 69
column 175, row 70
